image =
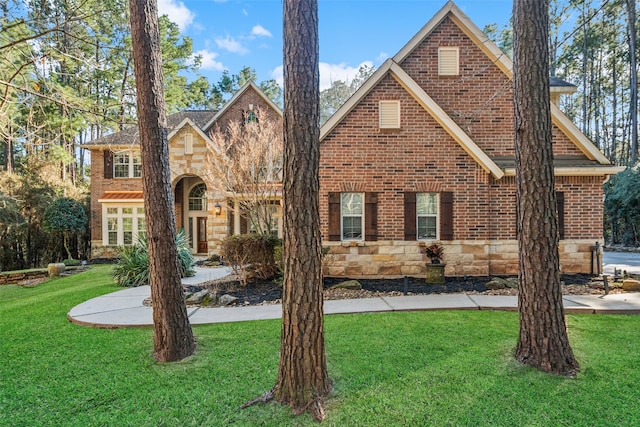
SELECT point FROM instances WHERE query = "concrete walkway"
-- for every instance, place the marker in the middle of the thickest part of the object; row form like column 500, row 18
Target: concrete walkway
column 125, row 309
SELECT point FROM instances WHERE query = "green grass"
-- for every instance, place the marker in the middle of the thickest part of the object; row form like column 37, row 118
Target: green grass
column 390, row 369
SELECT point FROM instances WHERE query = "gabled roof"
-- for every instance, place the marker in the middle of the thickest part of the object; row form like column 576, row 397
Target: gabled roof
column 237, row 96
column 432, row 107
column 502, row 61
column 129, row 136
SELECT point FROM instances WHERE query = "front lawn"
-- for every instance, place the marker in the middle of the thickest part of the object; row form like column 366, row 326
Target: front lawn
column 424, row 368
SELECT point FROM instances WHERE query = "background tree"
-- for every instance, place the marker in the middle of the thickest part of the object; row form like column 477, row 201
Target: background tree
column 543, row 341
column 303, row 381
column 172, row 335
column 245, row 164
column 65, row 216
column 333, row 97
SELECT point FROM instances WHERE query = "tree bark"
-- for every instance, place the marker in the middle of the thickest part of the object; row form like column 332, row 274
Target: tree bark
column 172, row 335
column 303, row 381
column 633, row 73
column 543, row 342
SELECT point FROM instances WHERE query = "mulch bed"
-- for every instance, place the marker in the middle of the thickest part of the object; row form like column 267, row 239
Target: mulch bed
column 270, row 292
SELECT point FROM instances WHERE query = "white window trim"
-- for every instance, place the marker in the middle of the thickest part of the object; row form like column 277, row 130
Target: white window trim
column 442, row 51
column 132, row 155
column 437, row 216
column 136, row 215
column 205, row 198
column 342, row 216
column 389, row 114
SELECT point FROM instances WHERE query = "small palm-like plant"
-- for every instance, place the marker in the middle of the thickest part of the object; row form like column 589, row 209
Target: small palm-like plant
column 132, row 268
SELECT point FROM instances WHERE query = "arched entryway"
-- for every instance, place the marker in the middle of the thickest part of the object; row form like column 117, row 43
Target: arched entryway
column 192, row 213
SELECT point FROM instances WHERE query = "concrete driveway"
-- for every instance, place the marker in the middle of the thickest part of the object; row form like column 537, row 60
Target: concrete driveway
column 625, row 261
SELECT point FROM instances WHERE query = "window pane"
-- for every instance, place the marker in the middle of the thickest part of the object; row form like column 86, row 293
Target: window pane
column 127, row 230
column 112, row 227
column 427, row 203
column 127, row 211
column 198, row 198
column 142, row 227
column 112, row 211
column 352, row 227
column 121, row 165
column 351, row 203
column 191, row 232
column 426, row 227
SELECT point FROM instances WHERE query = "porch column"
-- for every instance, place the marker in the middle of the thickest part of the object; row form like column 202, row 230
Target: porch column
column 236, row 217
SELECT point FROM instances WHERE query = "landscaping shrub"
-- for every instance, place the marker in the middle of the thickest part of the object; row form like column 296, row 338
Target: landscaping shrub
column 132, row 268
column 250, row 256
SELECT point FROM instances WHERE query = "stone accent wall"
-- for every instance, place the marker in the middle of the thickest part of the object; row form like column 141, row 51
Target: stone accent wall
column 394, row 259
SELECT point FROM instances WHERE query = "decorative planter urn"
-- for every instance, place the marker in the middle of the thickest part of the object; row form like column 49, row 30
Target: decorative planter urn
column 435, row 273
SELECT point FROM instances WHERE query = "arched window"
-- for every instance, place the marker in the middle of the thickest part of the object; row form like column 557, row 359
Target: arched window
column 198, row 198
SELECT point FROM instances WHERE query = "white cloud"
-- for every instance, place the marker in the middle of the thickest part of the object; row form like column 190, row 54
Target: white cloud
column 177, row 12
column 328, row 73
column 382, row 56
column 208, row 61
column 260, row 31
column 331, row 72
column 232, row 45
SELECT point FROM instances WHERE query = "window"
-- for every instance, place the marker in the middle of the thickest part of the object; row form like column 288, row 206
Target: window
column 270, row 213
column 250, row 117
column 124, row 225
column 427, row 216
column 188, row 143
column 198, row 198
column 448, row 63
column 352, row 209
column 127, row 164
column 389, row 114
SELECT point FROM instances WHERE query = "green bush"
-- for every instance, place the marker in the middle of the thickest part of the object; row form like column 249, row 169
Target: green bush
column 71, row 262
column 250, row 256
column 132, row 268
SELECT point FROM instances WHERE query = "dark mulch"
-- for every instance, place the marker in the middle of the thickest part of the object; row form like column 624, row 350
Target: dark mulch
column 266, row 292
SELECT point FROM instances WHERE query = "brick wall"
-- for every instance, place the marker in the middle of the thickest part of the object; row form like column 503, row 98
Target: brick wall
column 421, row 156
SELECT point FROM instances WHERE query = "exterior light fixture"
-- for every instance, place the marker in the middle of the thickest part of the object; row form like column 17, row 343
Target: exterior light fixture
column 217, row 209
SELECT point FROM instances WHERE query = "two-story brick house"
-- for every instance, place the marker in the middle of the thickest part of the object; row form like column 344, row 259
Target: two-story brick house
column 117, row 210
column 424, row 153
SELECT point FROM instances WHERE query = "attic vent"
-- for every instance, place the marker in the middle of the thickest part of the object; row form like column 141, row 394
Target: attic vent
column 448, row 61
column 389, row 114
column 188, row 143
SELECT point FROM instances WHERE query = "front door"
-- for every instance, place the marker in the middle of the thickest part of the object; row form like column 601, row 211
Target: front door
column 202, row 235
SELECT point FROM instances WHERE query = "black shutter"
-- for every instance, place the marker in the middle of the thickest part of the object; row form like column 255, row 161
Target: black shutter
column 108, row 164
column 446, row 215
column 334, row 217
column 410, row 226
column 371, row 217
column 560, row 202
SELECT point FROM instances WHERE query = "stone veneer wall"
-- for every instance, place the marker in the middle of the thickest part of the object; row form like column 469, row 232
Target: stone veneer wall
column 462, row 258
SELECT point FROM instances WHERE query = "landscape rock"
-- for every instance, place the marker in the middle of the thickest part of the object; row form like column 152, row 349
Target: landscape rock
column 631, row 285
column 348, row 284
column 226, row 300
column 500, row 283
column 198, row 297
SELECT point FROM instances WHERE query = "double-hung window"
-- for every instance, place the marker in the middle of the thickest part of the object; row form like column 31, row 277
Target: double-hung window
column 127, row 164
column 352, row 216
column 427, row 216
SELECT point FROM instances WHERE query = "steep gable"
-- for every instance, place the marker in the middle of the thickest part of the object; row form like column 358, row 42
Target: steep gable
column 473, row 98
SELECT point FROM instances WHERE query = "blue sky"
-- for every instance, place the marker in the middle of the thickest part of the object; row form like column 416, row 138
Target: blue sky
column 230, row 34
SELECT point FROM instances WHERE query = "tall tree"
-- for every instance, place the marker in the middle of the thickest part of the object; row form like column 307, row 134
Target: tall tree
column 633, row 71
column 303, row 381
column 543, row 341
column 172, row 335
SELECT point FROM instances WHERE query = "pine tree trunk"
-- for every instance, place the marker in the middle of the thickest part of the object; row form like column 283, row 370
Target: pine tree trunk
column 302, row 381
column 172, row 335
column 543, row 341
